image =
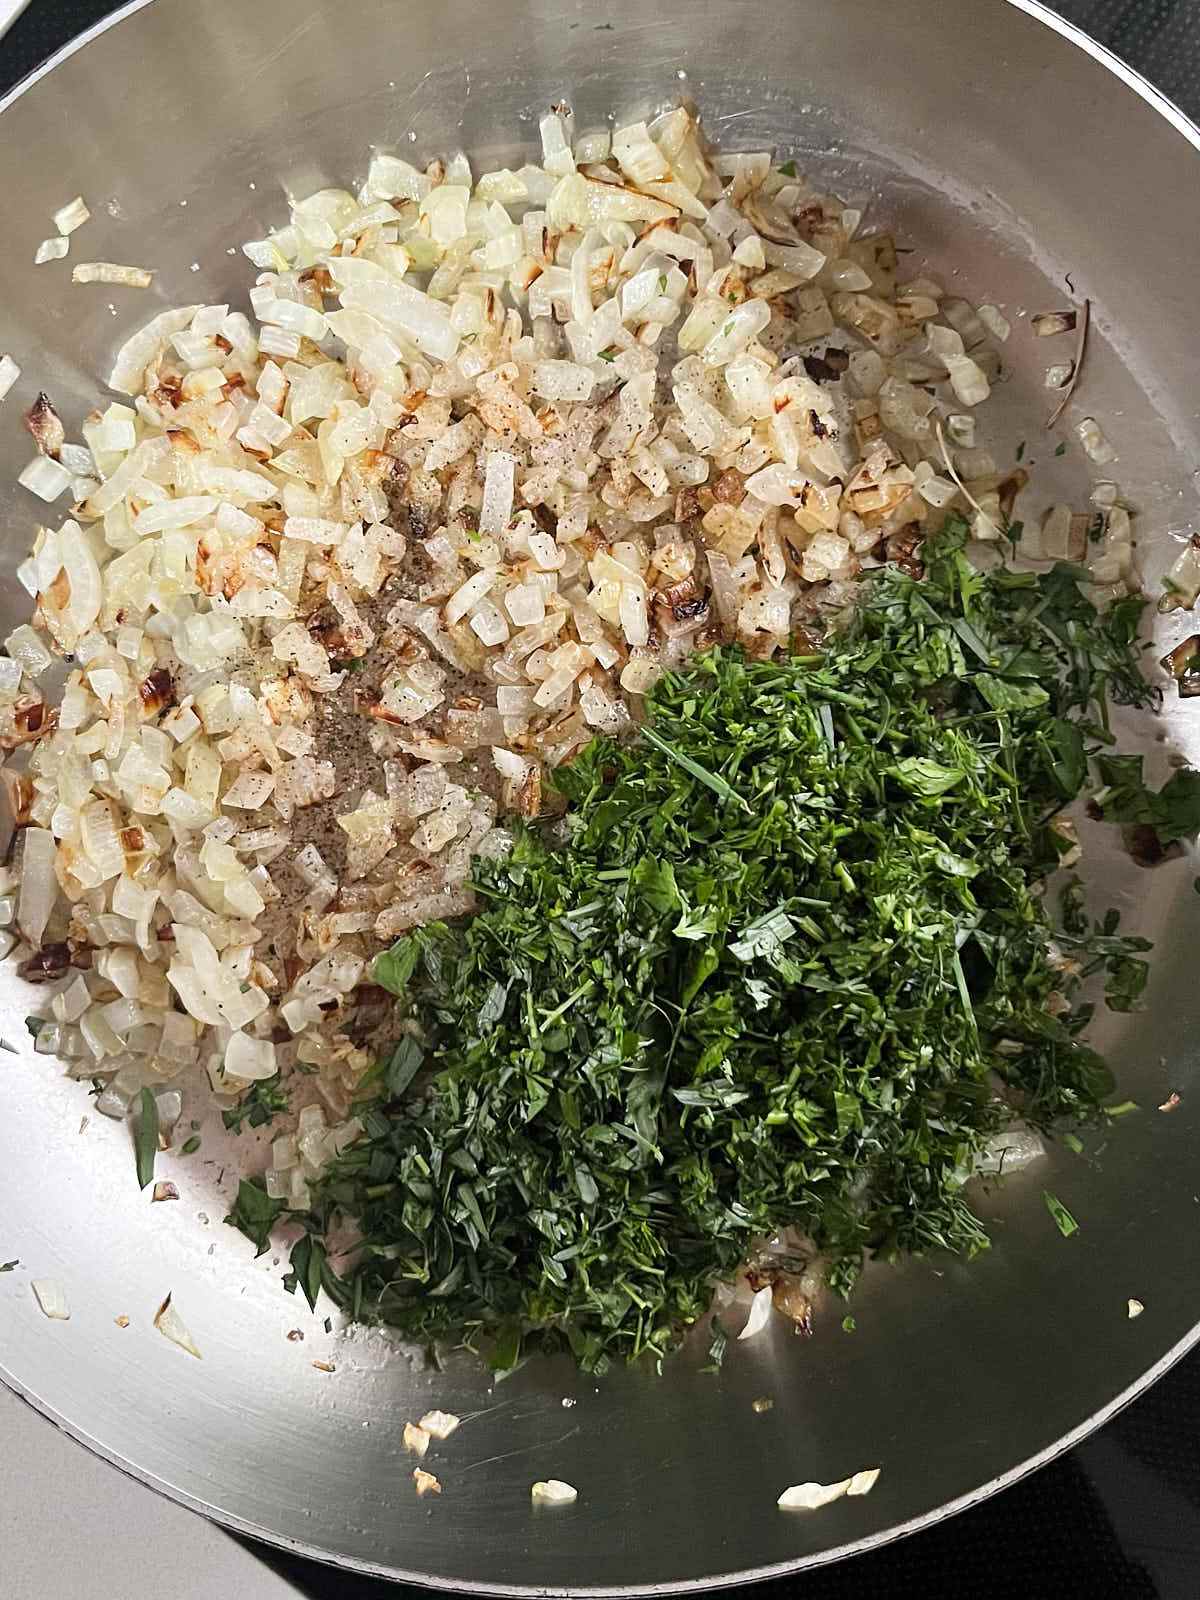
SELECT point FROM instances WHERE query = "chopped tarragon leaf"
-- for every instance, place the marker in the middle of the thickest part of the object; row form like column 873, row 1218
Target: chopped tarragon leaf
column 145, row 1142
column 770, row 974
column 1064, row 1221
column 10, row 1266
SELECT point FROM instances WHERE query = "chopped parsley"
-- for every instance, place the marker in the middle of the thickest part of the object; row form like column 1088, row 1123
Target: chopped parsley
column 261, row 1103
column 788, row 169
column 191, row 1146
column 769, row 977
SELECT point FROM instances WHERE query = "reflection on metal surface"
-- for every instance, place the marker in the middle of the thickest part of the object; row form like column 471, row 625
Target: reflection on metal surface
column 958, row 1376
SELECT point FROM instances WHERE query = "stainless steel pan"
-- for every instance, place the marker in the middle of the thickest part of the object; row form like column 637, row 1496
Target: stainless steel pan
column 1011, row 152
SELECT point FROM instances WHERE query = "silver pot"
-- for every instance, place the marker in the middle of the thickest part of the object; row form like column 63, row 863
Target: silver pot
column 1009, row 151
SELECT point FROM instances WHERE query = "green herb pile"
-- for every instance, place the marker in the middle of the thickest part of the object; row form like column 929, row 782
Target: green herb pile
column 774, row 970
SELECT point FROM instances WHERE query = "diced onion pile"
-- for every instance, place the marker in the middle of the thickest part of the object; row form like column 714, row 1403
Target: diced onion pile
column 344, row 578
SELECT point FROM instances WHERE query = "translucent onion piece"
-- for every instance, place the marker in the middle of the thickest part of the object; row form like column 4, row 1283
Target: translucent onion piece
column 760, row 1312
column 553, row 1492
column 39, row 887
column 439, row 1424
column 171, row 1325
column 112, row 272
column 71, row 216
column 812, row 1496
column 50, row 250
column 52, row 1299
column 9, row 373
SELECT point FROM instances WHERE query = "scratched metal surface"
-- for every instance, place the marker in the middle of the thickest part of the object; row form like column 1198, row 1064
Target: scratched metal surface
column 957, row 1377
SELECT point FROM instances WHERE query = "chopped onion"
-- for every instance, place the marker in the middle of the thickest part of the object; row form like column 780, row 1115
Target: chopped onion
column 1092, row 438
column 9, row 373
column 39, row 887
column 760, row 1312
column 171, row 1325
column 71, row 216
column 416, row 1439
column 45, row 477
column 439, row 1424
column 812, row 1496
column 111, row 272
column 863, row 1482
column 51, row 1298
column 50, row 250
column 994, row 321
column 139, row 351
column 553, row 1492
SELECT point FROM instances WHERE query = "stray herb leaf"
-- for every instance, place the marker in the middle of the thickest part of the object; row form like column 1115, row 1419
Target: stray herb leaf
column 145, row 1139
column 1064, row 1221
column 255, row 1214
column 718, row 1344
column 191, row 1146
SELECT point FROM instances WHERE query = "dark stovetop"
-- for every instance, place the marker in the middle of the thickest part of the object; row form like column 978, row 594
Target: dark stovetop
column 1119, row 1517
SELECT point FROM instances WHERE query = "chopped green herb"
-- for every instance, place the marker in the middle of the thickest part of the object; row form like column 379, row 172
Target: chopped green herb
column 1021, row 451
column 1173, row 811
column 794, row 937
column 35, row 1024
column 307, row 1267
column 192, row 1145
column 145, row 1139
column 1063, row 1219
column 1060, row 449
column 662, row 283
column 262, row 1102
column 608, row 355
column 9, row 1266
column 1073, row 1143
column 255, row 1214
column 849, row 1325
column 718, row 1344
column 788, row 169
